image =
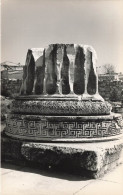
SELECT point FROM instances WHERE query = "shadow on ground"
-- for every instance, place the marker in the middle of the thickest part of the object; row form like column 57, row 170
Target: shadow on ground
column 45, row 172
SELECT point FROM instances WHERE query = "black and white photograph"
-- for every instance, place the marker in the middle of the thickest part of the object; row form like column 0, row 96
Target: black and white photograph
column 61, row 97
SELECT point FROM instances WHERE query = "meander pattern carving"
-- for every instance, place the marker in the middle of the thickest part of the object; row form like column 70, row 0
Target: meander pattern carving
column 48, row 129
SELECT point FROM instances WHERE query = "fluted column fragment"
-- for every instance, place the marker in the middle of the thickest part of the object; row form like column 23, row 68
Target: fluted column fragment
column 71, row 56
column 61, row 69
column 79, row 72
column 51, row 76
column 65, row 73
column 39, row 55
column 29, row 74
column 91, row 85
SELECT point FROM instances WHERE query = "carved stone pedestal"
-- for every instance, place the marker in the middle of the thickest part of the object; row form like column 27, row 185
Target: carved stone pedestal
column 59, row 102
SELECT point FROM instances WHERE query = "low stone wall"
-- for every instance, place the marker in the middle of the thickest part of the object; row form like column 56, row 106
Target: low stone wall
column 10, row 87
column 111, row 90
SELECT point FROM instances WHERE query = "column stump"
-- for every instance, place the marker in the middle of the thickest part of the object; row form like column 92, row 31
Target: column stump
column 59, row 120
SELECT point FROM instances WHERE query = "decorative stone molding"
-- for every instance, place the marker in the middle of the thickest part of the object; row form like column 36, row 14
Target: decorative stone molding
column 59, row 106
column 56, row 128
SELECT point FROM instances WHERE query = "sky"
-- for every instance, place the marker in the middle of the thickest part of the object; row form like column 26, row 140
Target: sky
column 37, row 23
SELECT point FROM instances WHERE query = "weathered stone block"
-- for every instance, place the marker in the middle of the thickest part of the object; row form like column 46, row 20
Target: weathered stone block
column 89, row 160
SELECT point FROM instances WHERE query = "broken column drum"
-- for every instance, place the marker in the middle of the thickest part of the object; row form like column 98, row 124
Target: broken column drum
column 59, row 99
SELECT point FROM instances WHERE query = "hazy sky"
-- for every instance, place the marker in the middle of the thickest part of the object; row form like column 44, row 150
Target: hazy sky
column 36, row 23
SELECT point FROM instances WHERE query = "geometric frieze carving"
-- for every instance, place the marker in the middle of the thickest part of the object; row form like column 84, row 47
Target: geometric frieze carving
column 37, row 127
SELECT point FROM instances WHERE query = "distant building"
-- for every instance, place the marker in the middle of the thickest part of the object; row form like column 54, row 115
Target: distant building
column 109, row 77
column 121, row 76
column 10, row 70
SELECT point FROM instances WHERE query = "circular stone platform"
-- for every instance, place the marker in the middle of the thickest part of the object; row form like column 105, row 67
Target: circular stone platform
column 60, row 106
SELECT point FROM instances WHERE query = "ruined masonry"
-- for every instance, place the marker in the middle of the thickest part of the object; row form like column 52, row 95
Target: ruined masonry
column 59, row 119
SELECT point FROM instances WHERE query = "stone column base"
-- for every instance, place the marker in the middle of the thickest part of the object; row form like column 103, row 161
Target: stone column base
column 86, row 159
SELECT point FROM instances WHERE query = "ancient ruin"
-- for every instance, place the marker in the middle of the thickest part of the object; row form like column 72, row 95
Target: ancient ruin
column 59, row 115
